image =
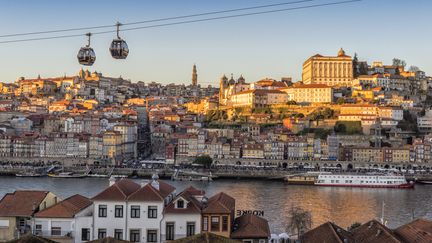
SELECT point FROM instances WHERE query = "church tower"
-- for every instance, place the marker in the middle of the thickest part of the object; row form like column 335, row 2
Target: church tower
column 223, row 83
column 194, row 76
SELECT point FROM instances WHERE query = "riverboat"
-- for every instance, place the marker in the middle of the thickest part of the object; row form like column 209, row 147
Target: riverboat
column 29, row 174
column 67, row 175
column 364, row 180
column 300, row 180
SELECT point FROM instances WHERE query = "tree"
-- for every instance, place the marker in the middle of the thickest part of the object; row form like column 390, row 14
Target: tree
column 355, row 65
column 299, row 221
column 340, row 101
column 398, row 62
column 204, row 160
column 414, row 69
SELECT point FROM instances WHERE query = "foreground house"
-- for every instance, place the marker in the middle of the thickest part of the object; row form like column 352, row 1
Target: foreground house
column 250, row 228
column 17, row 210
column 418, row 231
column 126, row 210
column 61, row 221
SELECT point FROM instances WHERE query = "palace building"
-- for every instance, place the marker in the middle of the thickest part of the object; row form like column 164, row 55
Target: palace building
column 335, row 71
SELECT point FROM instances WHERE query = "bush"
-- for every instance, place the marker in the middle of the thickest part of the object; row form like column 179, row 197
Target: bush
column 348, row 127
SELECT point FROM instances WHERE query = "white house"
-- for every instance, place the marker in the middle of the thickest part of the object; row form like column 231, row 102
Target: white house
column 70, row 220
column 182, row 217
column 128, row 211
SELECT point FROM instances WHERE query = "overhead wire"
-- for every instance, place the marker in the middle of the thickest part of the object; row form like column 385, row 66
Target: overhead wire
column 184, row 22
column 155, row 20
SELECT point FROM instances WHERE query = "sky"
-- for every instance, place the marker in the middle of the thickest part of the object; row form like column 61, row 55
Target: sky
column 271, row 45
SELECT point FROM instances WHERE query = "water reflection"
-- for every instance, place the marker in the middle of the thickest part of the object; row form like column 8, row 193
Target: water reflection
column 343, row 206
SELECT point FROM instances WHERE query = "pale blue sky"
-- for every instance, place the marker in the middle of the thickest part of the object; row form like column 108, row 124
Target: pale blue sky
column 272, row 45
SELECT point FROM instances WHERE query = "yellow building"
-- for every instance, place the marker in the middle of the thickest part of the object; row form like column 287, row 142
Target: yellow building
column 310, row 93
column 330, row 70
column 258, row 98
column 374, row 155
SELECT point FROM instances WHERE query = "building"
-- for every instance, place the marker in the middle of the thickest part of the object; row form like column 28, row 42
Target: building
column 258, row 98
column 309, row 93
column 218, row 215
column 17, row 210
column 182, row 216
column 333, row 71
column 194, row 76
column 251, row 228
column 127, row 210
column 61, row 221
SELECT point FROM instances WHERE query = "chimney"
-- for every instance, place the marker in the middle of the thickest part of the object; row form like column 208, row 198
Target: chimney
column 112, row 180
column 155, row 182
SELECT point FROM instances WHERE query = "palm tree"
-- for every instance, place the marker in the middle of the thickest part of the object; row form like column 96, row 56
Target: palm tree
column 300, row 221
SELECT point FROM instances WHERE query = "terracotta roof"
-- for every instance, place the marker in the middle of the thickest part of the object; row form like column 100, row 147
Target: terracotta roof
column 328, row 233
column 67, row 208
column 118, row 192
column 205, row 238
column 21, row 203
column 419, row 231
column 220, row 203
column 251, row 227
column 31, row 239
column 374, row 232
column 146, row 193
column 193, row 206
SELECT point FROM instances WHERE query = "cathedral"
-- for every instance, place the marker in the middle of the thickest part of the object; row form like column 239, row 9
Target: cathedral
column 227, row 88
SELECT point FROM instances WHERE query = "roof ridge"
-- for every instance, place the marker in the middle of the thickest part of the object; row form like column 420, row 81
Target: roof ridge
column 330, row 224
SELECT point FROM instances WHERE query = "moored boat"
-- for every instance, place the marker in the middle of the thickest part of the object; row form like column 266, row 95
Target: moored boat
column 29, row 174
column 364, row 180
column 426, row 182
column 301, row 180
column 67, row 175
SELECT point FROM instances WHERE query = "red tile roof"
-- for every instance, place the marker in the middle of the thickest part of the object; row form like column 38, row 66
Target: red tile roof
column 21, row 203
column 419, row 231
column 328, row 233
column 220, row 203
column 250, row 226
column 118, row 192
column 67, row 208
column 374, row 232
column 193, row 206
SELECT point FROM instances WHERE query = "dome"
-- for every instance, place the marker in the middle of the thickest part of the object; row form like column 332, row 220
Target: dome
column 341, row 52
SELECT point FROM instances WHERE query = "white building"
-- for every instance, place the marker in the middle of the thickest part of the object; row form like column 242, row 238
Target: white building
column 69, row 220
column 126, row 210
column 182, row 217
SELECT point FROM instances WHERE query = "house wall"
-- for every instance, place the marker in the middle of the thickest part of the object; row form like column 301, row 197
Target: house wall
column 7, row 228
column 180, row 222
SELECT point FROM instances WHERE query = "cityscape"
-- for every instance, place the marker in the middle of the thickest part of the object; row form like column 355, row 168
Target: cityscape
column 340, row 153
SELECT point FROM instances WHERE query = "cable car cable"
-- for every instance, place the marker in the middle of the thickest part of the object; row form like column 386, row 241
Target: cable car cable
column 184, row 22
column 154, row 20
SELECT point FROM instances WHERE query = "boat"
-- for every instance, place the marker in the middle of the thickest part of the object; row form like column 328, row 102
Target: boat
column 29, row 174
column 364, row 180
column 426, row 182
column 301, row 180
column 66, row 175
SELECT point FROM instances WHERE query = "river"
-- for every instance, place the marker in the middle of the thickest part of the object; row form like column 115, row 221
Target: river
column 342, row 206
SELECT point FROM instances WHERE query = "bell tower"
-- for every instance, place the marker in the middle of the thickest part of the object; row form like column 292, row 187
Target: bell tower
column 194, row 76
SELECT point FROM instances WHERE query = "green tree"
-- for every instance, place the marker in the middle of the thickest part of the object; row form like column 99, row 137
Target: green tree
column 398, row 62
column 204, row 160
column 414, row 69
column 340, row 101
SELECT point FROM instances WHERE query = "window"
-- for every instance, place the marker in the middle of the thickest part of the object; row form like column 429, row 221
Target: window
column 190, row 228
column 180, row 204
column 215, row 224
column 205, row 223
column 152, row 212
column 118, row 211
column 102, row 211
column 118, row 234
column 101, row 233
column 55, row 230
column 85, row 234
column 224, row 223
column 135, row 211
column 38, row 229
column 151, row 235
column 170, row 231
column 135, row 235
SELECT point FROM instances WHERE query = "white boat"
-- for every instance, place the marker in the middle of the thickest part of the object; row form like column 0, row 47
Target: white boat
column 363, row 180
column 29, row 174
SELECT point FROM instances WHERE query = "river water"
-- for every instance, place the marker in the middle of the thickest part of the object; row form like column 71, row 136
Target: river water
column 342, row 206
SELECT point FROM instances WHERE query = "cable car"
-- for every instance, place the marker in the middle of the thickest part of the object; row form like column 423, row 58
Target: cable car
column 86, row 55
column 119, row 48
